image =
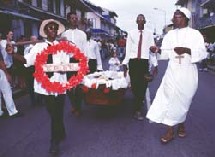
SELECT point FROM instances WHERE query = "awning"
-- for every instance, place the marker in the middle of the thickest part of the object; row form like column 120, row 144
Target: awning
column 16, row 14
column 181, row 2
column 99, row 31
column 209, row 32
column 209, row 27
column 208, row 3
column 45, row 14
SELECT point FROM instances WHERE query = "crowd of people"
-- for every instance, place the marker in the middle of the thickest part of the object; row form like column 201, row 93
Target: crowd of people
column 136, row 55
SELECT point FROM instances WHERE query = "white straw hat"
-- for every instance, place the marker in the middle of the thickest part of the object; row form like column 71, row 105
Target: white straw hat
column 186, row 12
column 61, row 28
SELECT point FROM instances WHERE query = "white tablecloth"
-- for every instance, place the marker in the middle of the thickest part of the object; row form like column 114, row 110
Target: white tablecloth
column 112, row 79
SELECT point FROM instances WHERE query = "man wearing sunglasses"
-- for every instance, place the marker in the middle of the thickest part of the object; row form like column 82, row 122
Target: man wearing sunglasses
column 49, row 30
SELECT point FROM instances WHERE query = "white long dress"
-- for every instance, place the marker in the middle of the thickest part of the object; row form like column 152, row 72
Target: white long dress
column 180, row 81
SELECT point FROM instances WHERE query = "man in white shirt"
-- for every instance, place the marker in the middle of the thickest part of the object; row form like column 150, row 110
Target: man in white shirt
column 93, row 54
column 138, row 44
column 6, row 91
column 36, row 99
column 79, row 38
column 55, row 102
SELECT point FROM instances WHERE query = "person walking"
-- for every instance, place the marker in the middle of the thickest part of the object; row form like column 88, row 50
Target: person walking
column 5, row 90
column 184, row 47
column 8, row 59
column 36, row 99
column 49, row 30
column 79, row 38
column 139, row 42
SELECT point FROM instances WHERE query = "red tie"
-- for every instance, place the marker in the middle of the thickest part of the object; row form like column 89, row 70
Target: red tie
column 139, row 46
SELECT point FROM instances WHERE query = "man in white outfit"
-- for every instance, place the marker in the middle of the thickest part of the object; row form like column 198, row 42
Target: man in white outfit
column 93, row 54
column 6, row 91
column 79, row 38
column 184, row 47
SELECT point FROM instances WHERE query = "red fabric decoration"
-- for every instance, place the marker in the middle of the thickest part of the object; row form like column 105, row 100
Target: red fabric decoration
column 106, row 90
column 73, row 81
column 85, row 89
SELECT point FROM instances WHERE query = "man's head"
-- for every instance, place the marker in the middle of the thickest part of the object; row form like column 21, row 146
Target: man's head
column 9, row 35
column 181, row 17
column 51, row 28
column 72, row 19
column 141, row 21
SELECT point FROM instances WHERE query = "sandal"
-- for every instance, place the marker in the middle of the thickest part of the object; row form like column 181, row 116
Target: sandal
column 181, row 131
column 169, row 136
column 166, row 139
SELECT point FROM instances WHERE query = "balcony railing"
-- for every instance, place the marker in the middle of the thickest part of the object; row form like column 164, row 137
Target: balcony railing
column 205, row 21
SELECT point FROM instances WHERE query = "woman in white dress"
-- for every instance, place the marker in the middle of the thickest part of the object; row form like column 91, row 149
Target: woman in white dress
column 184, row 47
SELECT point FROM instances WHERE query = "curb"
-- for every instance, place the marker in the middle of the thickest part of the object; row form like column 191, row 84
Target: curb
column 211, row 68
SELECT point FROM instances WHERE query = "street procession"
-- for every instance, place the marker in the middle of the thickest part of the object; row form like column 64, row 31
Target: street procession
column 78, row 79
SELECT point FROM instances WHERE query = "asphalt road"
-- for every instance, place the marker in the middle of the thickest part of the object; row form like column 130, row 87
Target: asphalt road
column 112, row 131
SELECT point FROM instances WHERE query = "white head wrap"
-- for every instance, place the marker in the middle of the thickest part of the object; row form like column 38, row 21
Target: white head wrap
column 186, row 12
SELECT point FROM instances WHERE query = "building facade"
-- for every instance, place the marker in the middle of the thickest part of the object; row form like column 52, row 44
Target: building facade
column 24, row 17
column 203, row 15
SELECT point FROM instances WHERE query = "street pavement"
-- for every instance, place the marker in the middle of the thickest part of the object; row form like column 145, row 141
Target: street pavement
column 111, row 131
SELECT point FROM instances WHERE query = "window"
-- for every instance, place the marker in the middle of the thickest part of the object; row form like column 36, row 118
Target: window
column 27, row 1
column 58, row 7
column 39, row 3
column 50, row 6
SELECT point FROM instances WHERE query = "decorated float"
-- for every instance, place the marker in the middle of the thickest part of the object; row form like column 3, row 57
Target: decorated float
column 105, row 88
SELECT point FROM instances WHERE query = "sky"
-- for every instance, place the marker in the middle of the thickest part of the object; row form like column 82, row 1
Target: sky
column 127, row 11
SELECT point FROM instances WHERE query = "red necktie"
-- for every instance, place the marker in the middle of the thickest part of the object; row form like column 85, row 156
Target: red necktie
column 139, row 46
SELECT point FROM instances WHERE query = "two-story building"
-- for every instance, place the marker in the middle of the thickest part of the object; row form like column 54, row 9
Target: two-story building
column 24, row 17
column 203, row 15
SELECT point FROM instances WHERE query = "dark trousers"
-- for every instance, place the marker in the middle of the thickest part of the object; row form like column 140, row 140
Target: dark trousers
column 55, row 108
column 76, row 97
column 92, row 65
column 137, row 69
column 76, row 94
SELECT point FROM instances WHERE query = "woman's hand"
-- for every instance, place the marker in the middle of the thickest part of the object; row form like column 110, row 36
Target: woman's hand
column 182, row 50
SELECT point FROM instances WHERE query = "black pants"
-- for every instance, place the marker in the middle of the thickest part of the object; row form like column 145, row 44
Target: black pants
column 76, row 94
column 137, row 69
column 92, row 65
column 76, row 97
column 55, row 108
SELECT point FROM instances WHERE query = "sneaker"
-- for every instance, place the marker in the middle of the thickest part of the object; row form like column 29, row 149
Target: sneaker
column 1, row 113
column 18, row 114
column 138, row 115
column 205, row 69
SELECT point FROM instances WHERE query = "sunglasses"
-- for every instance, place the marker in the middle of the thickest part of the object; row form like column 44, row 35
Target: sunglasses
column 53, row 27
